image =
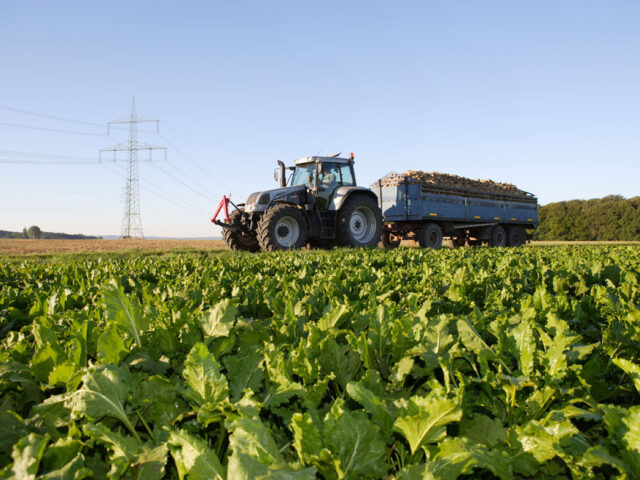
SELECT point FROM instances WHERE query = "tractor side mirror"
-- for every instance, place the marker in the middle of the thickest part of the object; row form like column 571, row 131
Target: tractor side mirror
column 276, row 177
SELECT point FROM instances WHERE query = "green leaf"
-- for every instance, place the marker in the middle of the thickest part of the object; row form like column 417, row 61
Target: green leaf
column 624, row 430
column 150, row 462
column 455, row 457
column 63, row 460
column 357, row 443
column 130, row 455
column 333, row 317
column 483, row 430
column 307, row 439
column 122, row 311
column 245, row 370
column 373, row 404
column 193, row 457
column 27, row 454
column 256, row 456
column 472, row 340
column 631, row 369
column 423, row 420
column 219, row 320
column 112, row 347
column 526, row 345
column 122, row 450
column 206, row 386
column 103, row 393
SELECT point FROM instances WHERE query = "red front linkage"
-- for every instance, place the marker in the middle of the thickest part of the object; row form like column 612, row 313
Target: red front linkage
column 224, row 203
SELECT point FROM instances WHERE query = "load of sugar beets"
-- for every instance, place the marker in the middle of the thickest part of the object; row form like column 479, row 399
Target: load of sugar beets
column 318, row 204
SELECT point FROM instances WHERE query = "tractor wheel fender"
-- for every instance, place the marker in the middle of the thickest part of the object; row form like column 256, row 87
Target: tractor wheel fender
column 341, row 194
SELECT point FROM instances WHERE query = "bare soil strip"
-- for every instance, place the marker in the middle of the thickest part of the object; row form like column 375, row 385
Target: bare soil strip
column 12, row 246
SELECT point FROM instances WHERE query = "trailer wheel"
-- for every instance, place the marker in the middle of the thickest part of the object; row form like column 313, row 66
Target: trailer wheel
column 459, row 240
column 430, row 235
column 515, row 236
column 236, row 240
column 282, row 227
column 498, row 237
column 359, row 222
column 389, row 240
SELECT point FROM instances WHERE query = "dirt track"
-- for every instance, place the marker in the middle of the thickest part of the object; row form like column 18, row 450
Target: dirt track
column 11, row 246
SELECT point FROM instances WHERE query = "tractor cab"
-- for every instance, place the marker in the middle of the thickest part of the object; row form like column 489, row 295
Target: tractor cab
column 322, row 176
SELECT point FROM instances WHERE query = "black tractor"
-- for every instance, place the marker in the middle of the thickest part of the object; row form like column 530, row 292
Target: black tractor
column 319, row 205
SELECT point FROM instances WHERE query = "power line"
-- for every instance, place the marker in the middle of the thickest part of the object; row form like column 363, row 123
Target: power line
column 204, row 188
column 52, row 117
column 43, row 162
column 46, row 72
column 63, row 119
column 173, row 200
column 46, row 155
column 208, row 197
column 196, row 164
column 52, row 129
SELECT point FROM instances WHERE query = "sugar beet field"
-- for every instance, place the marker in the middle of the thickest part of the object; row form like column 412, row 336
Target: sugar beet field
column 408, row 364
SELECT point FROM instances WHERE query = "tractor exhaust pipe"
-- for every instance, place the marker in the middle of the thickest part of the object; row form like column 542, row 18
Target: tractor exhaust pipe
column 283, row 179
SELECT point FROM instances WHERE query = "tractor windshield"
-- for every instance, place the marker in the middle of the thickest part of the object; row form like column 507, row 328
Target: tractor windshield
column 304, row 175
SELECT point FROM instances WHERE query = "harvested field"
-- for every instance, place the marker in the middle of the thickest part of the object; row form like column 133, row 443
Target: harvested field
column 13, row 246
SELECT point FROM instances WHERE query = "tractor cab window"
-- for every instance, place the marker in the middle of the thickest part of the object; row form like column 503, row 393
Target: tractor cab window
column 346, row 174
column 329, row 177
column 304, row 175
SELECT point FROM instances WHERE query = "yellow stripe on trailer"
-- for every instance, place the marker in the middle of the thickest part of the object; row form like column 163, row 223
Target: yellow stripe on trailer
column 514, row 219
column 433, row 214
column 496, row 218
column 529, row 219
column 476, row 216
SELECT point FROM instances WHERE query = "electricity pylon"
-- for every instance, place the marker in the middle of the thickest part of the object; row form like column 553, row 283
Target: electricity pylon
column 131, row 221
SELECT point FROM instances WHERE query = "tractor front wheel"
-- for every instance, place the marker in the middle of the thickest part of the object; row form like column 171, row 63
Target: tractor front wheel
column 282, row 227
column 236, row 240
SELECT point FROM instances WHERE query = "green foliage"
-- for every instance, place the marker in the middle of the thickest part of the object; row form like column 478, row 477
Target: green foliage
column 408, row 364
column 608, row 218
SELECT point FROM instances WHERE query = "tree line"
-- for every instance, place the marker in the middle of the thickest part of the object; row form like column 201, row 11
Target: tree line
column 610, row 218
column 34, row 232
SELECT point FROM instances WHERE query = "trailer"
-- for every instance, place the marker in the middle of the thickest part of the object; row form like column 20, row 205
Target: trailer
column 430, row 212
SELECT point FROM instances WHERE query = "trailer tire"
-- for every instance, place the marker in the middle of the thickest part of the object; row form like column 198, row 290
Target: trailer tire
column 282, row 227
column 516, row 236
column 237, row 241
column 498, row 237
column 390, row 241
column 430, row 235
column 359, row 222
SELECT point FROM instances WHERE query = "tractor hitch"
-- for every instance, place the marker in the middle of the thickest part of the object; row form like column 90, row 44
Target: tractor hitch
column 224, row 207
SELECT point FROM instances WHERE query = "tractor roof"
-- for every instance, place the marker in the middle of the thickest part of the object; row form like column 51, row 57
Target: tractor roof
column 315, row 159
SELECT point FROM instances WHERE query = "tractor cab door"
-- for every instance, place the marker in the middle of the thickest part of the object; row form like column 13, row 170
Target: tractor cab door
column 331, row 176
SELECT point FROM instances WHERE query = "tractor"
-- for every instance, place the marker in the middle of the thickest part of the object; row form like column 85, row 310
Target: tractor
column 319, row 205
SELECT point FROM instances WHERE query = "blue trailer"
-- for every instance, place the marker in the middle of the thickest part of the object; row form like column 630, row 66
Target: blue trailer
column 428, row 212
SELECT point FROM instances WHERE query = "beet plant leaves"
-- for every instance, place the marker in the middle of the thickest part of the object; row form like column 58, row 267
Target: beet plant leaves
column 348, row 364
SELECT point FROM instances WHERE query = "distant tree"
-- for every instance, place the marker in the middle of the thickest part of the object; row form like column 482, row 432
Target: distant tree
column 610, row 218
column 34, row 232
column 24, row 233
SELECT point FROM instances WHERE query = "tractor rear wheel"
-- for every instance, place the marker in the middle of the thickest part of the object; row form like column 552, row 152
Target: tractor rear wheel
column 237, row 240
column 359, row 222
column 282, row 227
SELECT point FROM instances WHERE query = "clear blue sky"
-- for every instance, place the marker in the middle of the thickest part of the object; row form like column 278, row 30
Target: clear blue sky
column 543, row 94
